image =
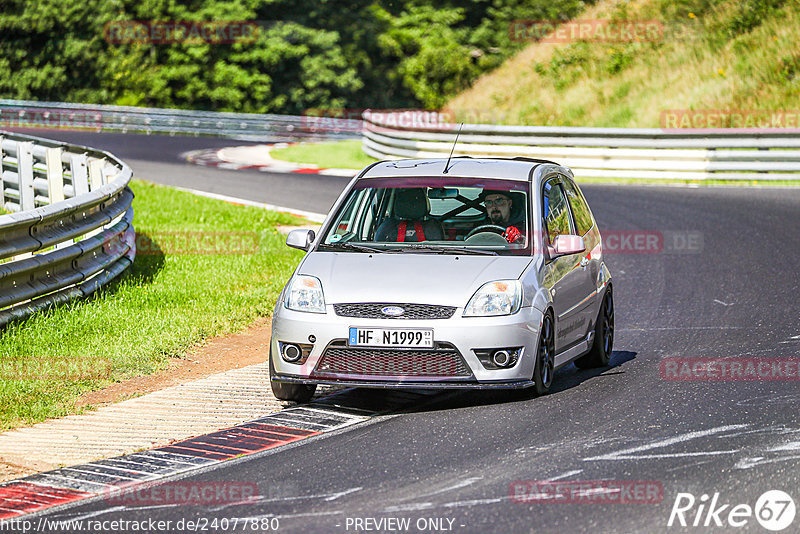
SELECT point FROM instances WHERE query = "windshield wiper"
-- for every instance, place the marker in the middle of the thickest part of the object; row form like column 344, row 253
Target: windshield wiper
column 353, row 246
column 441, row 249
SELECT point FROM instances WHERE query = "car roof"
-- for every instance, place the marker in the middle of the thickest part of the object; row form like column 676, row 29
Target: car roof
column 465, row 166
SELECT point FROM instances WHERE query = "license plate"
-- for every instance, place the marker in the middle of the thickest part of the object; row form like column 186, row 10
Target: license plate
column 390, row 337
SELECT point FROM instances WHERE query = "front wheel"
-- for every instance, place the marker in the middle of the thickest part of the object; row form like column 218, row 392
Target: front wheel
column 286, row 391
column 545, row 357
column 600, row 353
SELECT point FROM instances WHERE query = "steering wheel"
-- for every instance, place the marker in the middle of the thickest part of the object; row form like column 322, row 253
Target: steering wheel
column 486, row 227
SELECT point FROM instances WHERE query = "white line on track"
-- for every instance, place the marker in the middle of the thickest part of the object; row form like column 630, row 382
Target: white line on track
column 474, row 502
column 647, row 328
column 629, row 454
column 747, row 463
column 412, row 507
column 566, row 475
column 458, row 485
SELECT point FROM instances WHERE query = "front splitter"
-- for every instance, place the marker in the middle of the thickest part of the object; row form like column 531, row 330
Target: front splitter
column 520, row 384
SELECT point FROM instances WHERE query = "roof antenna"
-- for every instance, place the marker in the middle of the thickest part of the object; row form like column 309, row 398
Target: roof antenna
column 446, row 165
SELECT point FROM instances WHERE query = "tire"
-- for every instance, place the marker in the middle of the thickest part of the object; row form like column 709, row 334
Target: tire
column 600, row 353
column 286, row 391
column 545, row 357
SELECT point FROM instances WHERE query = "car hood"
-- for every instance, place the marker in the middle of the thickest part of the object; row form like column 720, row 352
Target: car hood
column 421, row 278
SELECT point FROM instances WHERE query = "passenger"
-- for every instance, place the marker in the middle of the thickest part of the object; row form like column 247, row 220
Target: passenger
column 499, row 208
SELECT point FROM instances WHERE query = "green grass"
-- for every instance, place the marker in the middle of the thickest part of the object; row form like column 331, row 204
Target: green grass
column 163, row 305
column 333, row 154
column 714, row 55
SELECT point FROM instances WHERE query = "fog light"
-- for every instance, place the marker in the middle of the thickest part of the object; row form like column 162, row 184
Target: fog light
column 501, row 358
column 291, row 353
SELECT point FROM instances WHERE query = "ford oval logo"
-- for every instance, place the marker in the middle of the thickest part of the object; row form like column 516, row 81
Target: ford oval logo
column 394, row 311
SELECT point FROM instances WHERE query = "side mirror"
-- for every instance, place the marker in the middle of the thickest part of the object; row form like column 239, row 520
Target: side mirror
column 568, row 244
column 301, row 239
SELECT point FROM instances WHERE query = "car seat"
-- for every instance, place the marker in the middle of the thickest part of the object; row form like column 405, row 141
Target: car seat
column 408, row 222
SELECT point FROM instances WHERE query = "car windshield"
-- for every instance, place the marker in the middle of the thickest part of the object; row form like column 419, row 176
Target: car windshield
column 449, row 215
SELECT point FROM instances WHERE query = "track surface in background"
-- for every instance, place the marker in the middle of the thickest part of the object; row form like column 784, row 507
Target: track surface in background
column 456, row 455
column 157, row 158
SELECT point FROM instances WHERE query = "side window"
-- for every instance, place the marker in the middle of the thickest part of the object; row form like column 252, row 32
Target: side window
column 580, row 210
column 346, row 223
column 556, row 212
column 351, row 222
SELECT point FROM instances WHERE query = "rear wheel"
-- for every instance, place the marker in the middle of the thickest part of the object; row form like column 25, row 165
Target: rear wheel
column 600, row 352
column 545, row 357
column 289, row 392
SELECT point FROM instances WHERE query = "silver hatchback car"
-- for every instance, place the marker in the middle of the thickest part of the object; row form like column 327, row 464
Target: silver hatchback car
column 429, row 273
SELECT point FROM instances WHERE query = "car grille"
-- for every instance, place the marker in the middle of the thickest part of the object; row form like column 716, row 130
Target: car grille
column 372, row 310
column 442, row 362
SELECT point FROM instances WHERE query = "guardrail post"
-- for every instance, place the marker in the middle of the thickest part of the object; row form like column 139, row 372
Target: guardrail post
column 80, row 175
column 96, row 173
column 25, row 170
column 55, row 175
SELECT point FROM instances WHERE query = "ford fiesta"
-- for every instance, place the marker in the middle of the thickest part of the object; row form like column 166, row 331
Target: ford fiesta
column 467, row 273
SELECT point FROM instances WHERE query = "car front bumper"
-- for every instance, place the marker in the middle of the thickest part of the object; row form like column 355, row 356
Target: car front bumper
column 465, row 335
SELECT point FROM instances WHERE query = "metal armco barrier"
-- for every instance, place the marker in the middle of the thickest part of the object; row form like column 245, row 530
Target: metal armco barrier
column 125, row 119
column 724, row 154
column 69, row 230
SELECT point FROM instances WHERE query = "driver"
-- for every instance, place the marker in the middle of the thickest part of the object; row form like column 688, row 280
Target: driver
column 498, row 208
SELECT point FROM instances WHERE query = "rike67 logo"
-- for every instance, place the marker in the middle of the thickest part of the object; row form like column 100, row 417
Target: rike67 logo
column 774, row 510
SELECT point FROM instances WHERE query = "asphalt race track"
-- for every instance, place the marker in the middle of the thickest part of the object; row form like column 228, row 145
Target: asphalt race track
column 721, row 282
column 157, row 158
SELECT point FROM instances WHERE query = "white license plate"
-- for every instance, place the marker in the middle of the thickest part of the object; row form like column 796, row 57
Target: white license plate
column 390, row 337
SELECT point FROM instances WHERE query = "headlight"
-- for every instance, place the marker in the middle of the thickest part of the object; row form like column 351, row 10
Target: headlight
column 305, row 295
column 502, row 297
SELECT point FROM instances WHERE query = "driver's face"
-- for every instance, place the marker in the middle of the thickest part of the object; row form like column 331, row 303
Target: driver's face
column 499, row 208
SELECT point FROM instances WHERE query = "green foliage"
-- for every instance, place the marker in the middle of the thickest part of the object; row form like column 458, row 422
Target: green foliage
column 306, row 53
column 789, row 68
column 749, row 14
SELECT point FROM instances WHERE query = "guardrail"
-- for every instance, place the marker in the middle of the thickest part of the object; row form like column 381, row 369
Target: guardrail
column 725, row 154
column 125, row 119
column 70, row 227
